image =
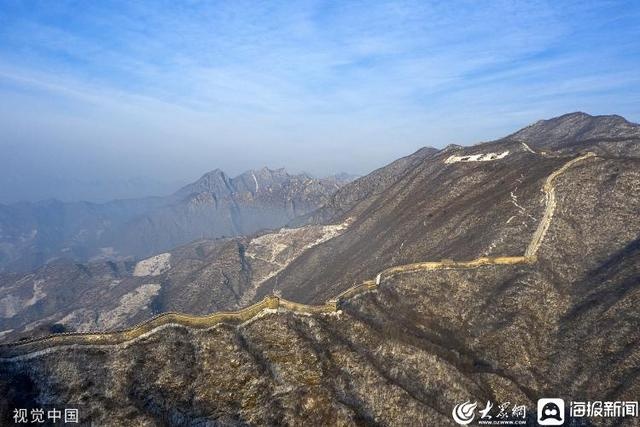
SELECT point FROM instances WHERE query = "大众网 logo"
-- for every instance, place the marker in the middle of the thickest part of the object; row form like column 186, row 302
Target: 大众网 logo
column 463, row 413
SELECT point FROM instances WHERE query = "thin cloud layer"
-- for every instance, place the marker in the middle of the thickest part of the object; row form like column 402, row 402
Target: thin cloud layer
column 116, row 90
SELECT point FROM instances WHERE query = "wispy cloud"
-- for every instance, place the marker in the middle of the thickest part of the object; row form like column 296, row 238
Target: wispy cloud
column 285, row 82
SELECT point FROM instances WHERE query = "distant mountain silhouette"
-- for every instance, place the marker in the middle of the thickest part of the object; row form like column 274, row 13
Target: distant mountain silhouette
column 32, row 234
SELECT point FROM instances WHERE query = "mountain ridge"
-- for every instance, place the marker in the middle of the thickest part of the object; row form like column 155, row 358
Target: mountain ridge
column 583, row 130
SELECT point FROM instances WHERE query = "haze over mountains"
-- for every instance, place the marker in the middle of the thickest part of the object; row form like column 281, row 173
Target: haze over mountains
column 44, row 187
column 562, row 324
column 32, row 234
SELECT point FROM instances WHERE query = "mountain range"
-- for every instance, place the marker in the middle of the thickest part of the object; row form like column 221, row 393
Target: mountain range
column 506, row 271
column 33, row 234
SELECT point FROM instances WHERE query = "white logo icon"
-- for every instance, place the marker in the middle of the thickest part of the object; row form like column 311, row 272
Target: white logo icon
column 463, row 413
column 550, row 412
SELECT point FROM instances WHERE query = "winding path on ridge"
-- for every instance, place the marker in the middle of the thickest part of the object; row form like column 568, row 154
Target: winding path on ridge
column 21, row 350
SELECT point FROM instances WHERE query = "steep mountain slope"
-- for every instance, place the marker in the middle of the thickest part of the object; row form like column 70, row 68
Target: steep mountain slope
column 435, row 211
column 362, row 191
column 215, row 205
column 563, row 324
column 440, row 210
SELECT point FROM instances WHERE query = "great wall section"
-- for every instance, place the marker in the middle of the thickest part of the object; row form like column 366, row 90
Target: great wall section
column 31, row 348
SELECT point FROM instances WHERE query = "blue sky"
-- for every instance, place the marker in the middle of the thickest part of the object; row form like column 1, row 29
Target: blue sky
column 110, row 90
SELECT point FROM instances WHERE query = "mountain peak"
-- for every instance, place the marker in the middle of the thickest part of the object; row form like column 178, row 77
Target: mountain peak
column 214, row 181
column 265, row 171
column 257, row 178
column 576, row 127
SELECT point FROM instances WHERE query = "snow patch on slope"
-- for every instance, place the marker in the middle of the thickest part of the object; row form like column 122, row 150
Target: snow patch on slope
column 130, row 304
column 10, row 305
column 271, row 253
column 154, row 266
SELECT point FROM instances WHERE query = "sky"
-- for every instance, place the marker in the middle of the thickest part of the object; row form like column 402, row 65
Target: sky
column 106, row 99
